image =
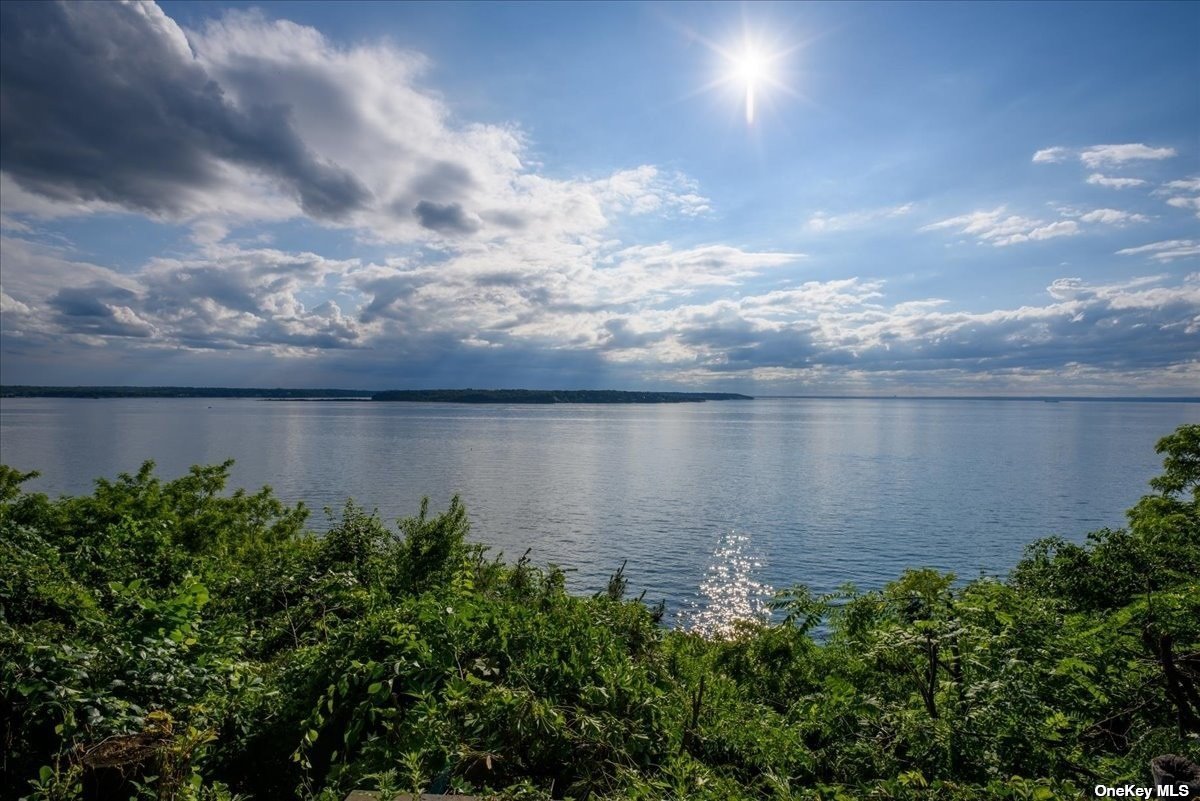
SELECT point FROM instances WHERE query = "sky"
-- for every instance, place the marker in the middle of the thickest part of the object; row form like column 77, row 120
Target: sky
column 926, row 198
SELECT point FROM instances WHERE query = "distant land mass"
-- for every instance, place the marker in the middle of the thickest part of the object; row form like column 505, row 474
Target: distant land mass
column 176, row 392
column 550, row 396
column 409, row 395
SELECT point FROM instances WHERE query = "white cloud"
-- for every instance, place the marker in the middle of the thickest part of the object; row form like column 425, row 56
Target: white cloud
column 1050, row 155
column 599, row 306
column 1173, row 190
column 1113, row 217
column 832, row 330
column 998, row 228
column 1192, row 203
column 1115, row 183
column 1167, row 250
column 1052, row 230
column 363, row 143
column 1181, row 185
column 1102, row 155
column 498, row 263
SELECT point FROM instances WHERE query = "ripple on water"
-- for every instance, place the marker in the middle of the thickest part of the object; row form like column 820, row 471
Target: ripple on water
column 730, row 592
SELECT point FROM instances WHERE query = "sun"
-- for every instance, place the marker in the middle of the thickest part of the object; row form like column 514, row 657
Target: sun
column 752, row 68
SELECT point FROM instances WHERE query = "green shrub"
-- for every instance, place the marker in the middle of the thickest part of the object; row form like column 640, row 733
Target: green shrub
column 167, row 640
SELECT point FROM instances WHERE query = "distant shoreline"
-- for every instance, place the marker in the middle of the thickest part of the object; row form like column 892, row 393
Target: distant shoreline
column 475, row 396
column 1024, row 398
column 548, row 396
column 514, row 396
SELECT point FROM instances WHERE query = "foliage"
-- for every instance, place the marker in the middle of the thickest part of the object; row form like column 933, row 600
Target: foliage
column 167, row 640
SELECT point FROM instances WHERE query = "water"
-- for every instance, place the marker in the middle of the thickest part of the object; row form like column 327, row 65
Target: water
column 712, row 504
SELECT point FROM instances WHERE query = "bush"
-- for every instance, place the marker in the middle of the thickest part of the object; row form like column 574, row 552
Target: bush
column 165, row 640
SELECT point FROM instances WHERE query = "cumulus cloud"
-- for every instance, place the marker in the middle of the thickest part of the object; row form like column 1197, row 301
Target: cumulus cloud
column 499, row 272
column 114, row 107
column 224, row 298
column 107, row 102
column 1098, row 179
column 637, row 311
column 834, row 329
column 445, row 217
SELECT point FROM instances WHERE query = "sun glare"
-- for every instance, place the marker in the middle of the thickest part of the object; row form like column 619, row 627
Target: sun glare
column 752, row 69
column 750, row 66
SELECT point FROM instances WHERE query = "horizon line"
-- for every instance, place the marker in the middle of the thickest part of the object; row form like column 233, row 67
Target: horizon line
column 4, row 388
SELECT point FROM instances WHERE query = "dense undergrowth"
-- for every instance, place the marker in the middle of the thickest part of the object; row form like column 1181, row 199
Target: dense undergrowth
column 166, row 640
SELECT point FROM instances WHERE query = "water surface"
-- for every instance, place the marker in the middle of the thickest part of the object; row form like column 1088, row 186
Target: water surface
column 711, row 503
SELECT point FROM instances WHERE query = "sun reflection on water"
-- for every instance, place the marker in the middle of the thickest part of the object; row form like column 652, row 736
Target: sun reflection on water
column 729, row 592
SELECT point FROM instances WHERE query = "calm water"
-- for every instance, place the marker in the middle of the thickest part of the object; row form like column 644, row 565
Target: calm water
column 712, row 504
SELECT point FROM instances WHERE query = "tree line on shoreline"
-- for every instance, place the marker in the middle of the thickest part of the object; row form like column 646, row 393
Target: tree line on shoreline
column 505, row 396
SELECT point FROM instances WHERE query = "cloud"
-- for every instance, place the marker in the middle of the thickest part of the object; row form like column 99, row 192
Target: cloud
column 496, row 271
column 1168, row 250
column 99, row 310
column 998, row 228
column 822, row 222
column 225, row 296
column 222, row 298
column 1192, row 203
column 1115, row 183
column 1182, row 185
column 1098, row 156
column 1051, row 230
column 638, row 315
column 107, row 102
column 1051, row 155
column 1104, row 155
column 1176, row 199
column 446, row 218
column 1112, row 217
column 114, row 107
column 831, row 332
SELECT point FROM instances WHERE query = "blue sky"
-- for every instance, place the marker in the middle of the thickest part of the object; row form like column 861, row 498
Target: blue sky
column 931, row 198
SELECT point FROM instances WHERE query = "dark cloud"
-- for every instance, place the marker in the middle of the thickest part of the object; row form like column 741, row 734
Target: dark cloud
column 99, row 310
column 445, row 218
column 86, row 302
column 443, row 180
column 105, row 101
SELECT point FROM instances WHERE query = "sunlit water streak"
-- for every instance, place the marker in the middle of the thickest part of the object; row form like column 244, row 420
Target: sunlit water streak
column 730, row 591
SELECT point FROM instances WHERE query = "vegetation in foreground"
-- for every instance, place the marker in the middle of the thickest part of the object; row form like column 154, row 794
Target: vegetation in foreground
column 162, row 640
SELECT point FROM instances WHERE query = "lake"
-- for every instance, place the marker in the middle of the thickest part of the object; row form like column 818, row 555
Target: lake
column 712, row 504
